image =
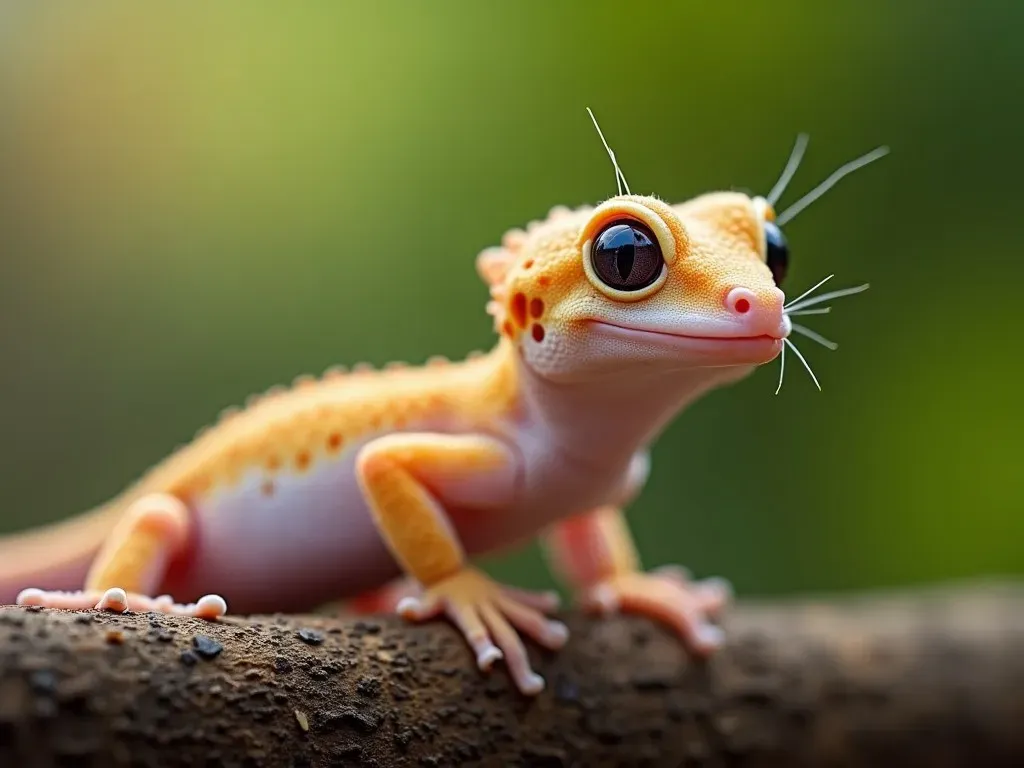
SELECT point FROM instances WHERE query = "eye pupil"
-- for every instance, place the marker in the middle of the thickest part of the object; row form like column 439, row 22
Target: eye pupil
column 626, row 256
column 777, row 251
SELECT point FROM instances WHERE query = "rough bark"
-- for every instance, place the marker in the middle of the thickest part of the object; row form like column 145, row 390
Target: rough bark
column 932, row 678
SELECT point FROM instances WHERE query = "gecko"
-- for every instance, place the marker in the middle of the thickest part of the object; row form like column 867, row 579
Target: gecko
column 383, row 487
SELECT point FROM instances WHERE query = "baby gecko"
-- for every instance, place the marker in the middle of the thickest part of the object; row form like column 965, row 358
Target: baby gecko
column 380, row 486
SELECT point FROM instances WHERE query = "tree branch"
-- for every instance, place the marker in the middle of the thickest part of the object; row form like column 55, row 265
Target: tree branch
column 926, row 678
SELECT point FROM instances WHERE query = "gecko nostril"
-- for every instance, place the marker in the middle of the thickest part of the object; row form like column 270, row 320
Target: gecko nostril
column 740, row 301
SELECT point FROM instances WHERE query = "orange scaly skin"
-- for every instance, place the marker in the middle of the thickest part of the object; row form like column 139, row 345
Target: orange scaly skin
column 338, row 486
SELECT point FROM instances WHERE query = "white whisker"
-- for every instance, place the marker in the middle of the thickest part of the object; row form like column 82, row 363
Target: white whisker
column 795, row 156
column 827, row 296
column 814, row 336
column 796, row 351
column 828, row 183
column 620, row 178
column 782, row 368
column 809, row 290
column 823, row 311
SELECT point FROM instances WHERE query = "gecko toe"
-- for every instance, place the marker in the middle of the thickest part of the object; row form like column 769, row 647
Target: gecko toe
column 603, row 599
column 532, row 684
column 417, row 609
column 714, row 592
column 677, row 573
column 210, row 607
column 31, row 596
column 114, row 600
column 546, row 602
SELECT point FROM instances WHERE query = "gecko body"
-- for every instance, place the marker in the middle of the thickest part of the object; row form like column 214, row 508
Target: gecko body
column 382, row 486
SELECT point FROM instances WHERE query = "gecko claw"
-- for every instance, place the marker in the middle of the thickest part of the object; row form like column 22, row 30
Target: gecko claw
column 31, row 596
column 210, row 607
column 114, row 600
column 485, row 659
column 417, row 609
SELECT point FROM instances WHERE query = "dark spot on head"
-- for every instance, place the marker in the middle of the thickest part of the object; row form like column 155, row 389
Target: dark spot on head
column 536, row 307
column 538, row 332
column 507, row 328
column 519, row 309
column 302, row 459
column 528, row 263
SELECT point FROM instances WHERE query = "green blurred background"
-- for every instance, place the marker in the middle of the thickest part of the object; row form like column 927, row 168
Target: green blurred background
column 200, row 201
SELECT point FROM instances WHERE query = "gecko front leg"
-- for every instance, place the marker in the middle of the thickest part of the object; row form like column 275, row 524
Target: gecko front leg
column 407, row 480
column 132, row 563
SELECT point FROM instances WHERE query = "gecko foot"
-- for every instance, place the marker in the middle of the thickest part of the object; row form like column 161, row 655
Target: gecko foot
column 488, row 615
column 669, row 596
column 116, row 600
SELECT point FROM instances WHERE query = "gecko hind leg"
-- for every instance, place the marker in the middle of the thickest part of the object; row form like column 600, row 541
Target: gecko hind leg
column 132, row 563
column 595, row 553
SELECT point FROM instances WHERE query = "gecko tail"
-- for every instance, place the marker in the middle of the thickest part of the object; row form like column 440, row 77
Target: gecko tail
column 56, row 556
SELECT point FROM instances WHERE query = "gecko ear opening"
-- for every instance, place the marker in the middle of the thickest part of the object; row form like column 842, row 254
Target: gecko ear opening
column 493, row 264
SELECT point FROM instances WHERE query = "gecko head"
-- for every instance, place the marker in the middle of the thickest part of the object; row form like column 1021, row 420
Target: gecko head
column 635, row 284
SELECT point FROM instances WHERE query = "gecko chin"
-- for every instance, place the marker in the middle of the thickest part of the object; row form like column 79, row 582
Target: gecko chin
column 694, row 349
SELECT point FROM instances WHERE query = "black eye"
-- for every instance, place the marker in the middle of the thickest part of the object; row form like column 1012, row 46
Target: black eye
column 626, row 256
column 777, row 251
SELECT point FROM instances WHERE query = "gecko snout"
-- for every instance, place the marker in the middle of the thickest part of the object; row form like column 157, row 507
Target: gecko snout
column 759, row 314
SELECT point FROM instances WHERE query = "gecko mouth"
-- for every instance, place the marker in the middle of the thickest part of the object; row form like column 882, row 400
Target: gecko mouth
column 723, row 348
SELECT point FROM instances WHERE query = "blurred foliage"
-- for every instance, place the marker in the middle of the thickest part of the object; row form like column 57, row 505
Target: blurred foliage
column 197, row 202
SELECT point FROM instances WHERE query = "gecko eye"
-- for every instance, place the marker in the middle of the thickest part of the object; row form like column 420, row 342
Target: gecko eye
column 626, row 256
column 777, row 251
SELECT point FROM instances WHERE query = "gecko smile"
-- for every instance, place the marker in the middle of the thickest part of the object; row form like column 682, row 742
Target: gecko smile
column 730, row 348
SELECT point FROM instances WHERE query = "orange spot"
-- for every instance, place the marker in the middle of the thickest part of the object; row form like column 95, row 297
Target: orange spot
column 375, row 421
column 273, row 462
column 267, row 489
column 528, row 263
column 544, row 281
column 302, row 459
column 507, row 328
column 538, row 332
column 519, row 309
column 536, row 307
column 334, row 441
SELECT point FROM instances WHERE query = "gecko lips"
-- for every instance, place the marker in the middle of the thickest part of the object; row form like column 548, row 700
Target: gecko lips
column 700, row 349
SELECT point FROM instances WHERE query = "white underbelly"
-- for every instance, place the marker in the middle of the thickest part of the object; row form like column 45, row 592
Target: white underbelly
column 290, row 535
